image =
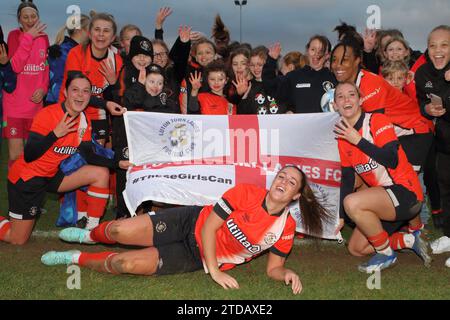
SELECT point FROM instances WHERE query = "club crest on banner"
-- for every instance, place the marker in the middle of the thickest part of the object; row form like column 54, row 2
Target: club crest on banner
column 178, row 137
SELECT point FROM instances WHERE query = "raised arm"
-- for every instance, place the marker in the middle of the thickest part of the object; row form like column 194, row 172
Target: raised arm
column 162, row 15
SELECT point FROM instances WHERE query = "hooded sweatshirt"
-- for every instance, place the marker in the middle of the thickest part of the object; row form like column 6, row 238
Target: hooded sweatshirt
column 29, row 61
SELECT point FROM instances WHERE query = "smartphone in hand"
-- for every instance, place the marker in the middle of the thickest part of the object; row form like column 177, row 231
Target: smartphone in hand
column 436, row 100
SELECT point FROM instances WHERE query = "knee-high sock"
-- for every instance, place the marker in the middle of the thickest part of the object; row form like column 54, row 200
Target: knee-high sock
column 381, row 243
column 101, row 233
column 100, row 257
column 401, row 240
column 415, row 228
column 96, row 201
column 81, row 203
column 5, row 225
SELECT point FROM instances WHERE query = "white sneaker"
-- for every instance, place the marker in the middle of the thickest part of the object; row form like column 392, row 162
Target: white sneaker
column 440, row 245
column 447, row 263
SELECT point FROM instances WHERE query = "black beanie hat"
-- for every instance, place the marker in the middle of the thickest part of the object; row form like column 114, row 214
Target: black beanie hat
column 154, row 68
column 140, row 45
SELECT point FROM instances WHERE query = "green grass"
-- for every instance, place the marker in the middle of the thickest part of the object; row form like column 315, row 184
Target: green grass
column 327, row 271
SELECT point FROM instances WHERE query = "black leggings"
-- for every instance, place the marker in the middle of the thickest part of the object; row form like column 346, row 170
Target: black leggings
column 443, row 168
column 430, row 177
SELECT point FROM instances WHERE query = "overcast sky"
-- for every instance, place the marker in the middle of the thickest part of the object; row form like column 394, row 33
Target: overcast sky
column 291, row 22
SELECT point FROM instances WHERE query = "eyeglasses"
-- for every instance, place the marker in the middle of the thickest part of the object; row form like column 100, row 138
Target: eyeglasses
column 160, row 54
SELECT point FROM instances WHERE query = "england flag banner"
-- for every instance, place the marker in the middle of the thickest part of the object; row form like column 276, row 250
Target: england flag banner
column 194, row 159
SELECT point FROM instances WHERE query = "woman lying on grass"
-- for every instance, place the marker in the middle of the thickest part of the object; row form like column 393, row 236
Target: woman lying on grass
column 246, row 221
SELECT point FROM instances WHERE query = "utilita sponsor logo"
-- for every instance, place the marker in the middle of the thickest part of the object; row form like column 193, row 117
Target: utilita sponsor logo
column 363, row 168
column 241, row 237
column 65, row 150
column 34, row 67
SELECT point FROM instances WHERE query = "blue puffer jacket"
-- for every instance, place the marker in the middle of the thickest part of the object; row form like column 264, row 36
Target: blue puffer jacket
column 8, row 83
column 57, row 56
column 68, row 213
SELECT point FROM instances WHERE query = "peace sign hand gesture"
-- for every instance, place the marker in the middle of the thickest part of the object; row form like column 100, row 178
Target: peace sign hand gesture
column 65, row 126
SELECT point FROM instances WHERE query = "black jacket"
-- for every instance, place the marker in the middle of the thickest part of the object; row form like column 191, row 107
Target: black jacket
column 259, row 102
column 305, row 90
column 136, row 97
column 429, row 80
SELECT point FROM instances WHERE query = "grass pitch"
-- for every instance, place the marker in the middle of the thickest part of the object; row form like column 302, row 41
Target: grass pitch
column 327, row 271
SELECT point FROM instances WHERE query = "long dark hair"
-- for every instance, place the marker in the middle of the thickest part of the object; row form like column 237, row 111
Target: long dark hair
column 75, row 74
column 313, row 212
column 349, row 42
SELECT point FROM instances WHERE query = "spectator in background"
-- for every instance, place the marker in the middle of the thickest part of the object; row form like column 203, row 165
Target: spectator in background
column 291, row 61
column 28, row 46
column 256, row 100
column 174, row 61
column 433, row 93
column 7, row 77
column 396, row 73
column 125, row 35
column 203, row 52
column 309, row 89
column 221, row 38
column 213, row 101
column 57, row 54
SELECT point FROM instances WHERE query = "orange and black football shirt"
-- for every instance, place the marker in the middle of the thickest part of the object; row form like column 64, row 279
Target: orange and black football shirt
column 81, row 59
column 378, row 130
column 48, row 164
column 379, row 96
column 248, row 228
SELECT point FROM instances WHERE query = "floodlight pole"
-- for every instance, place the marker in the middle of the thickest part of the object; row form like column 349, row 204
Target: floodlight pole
column 240, row 4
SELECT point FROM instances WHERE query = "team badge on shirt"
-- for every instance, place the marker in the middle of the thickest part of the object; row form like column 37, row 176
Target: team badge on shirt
column 145, row 45
column 270, row 238
column 163, row 98
column 161, row 227
column 33, row 211
column 125, row 153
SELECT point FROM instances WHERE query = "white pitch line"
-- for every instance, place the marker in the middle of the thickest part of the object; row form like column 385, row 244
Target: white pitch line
column 298, row 242
column 46, row 234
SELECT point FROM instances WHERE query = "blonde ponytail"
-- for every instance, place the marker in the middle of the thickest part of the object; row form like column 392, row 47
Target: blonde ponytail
column 60, row 35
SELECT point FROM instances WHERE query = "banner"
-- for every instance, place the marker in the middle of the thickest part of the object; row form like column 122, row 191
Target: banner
column 194, row 159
